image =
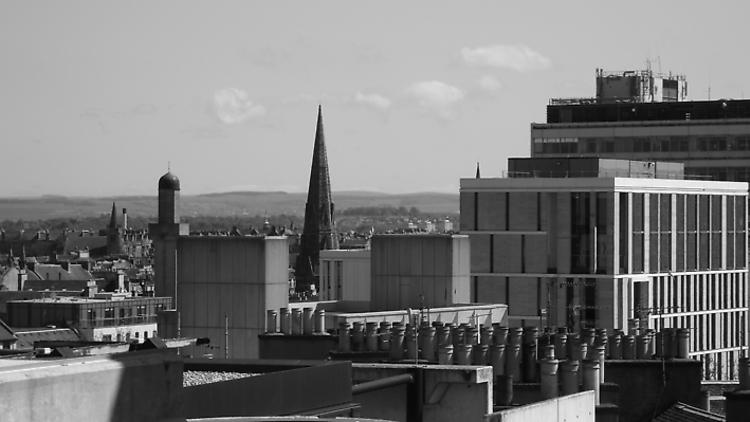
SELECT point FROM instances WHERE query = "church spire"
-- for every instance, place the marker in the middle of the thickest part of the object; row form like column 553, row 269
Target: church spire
column 113, row 217
column 478, row 176
column 319, row 231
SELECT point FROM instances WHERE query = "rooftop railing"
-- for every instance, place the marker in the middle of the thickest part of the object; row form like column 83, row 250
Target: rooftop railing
column 542, row 174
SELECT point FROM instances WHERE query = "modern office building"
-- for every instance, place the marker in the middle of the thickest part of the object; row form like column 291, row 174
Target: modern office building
column 601, row 250
column 645, row 116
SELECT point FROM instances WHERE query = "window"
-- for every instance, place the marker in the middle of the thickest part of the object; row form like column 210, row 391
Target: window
column 141, row 310
column 109, row 313
column 107, row 338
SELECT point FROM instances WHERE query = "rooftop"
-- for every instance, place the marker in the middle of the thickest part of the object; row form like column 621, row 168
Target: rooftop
column 588, row 110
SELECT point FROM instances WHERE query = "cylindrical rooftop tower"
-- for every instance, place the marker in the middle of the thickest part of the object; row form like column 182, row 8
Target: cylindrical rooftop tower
column 169, row 196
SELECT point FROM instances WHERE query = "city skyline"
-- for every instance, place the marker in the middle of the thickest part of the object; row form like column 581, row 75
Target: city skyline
column 103, row 97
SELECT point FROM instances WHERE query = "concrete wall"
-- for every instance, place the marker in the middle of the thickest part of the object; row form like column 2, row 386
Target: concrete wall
column 230, row 282
column 447, row 393
column 413, row 271
column 345, row 275
column 577, row 407
column 138, row 386
column 481, row 314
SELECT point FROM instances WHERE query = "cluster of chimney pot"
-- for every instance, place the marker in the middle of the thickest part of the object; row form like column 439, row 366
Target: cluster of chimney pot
column 519, row 354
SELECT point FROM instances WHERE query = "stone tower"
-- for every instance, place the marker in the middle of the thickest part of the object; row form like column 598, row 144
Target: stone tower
column 165, row 234
column 115, row 233
column 319, row 232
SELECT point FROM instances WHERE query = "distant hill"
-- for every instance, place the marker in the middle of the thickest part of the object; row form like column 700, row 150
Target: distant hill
column 217, row 204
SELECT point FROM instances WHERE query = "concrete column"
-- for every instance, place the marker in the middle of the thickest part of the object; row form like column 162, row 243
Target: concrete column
column 515, row 335
column 320, row 321
column 384, row 333
column 599, row 357
column 641, row 347
column 561, row 342
column 548, row 369
column 457, row 337
column 504, row 395
column 615, row 346
column 428, row 343
column 569, row 370
column 463, row 354
column 271, row 317
column 591, row 378
column 471, row 336
column 683, row 343
column 579, row 354
column 628, row 347
column 296, row 321
column 572, row 345
column 443, row 335
column 397, row 342
column 307, row 321
column 358, row 336
column 344, row 342
column 286, row 321
column 513, row 361
column 529, row 362
column 371, row 336
column 497, row 359
column 445, row 354
column 501, row 336
column 480, row 354
column 487, row 335
column 411, row 342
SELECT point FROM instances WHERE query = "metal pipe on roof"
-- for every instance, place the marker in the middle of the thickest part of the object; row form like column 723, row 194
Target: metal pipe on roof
column 366, row 387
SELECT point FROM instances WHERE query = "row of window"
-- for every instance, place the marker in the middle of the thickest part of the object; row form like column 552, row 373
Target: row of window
column 605, row 145
column 109, row 313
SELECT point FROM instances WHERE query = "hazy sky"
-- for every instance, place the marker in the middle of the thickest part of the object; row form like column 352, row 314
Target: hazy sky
column 97, row 97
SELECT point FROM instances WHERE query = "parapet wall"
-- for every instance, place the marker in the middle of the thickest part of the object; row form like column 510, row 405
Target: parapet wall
column 140, row 386
column 438, row 393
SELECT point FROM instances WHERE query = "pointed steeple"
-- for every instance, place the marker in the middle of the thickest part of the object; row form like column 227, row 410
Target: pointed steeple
column 11, row 259
column 478, row 176
column 319, row 231
column 113, row 217
column 115, row 245
column 22, row 262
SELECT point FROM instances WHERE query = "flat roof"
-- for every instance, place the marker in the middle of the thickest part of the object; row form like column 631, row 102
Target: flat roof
column 724, row 108
column 77, row 299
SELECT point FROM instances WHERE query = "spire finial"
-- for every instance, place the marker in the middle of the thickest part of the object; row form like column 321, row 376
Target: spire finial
column 169, row 166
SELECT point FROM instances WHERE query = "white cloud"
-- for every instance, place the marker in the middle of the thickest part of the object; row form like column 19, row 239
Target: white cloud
column 517, row 57
column 435, row 93
column 233, row 106
column 374, row 100
column 490, row 83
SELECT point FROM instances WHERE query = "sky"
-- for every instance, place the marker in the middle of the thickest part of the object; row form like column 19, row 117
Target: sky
column 100, row 98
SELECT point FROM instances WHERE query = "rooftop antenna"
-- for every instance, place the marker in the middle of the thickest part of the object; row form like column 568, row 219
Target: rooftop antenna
column 169, row 166
column 709, row 85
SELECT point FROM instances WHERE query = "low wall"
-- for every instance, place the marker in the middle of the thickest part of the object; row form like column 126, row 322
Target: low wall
column 439, row 393
column 281, row 388
column 136, row 386
column 481, row 314
column 579, row 407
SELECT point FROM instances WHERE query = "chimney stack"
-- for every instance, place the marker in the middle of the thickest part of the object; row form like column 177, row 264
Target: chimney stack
column 125, row 218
